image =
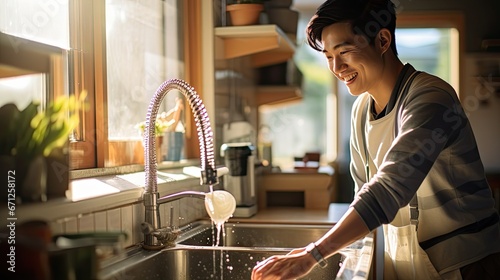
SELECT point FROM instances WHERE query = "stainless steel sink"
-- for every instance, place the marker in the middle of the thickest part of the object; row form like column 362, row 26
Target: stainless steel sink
column 244, row 244
column 186, row 263
column 254, row 235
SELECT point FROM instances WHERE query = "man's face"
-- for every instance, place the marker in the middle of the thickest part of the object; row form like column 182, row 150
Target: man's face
column 355, row 62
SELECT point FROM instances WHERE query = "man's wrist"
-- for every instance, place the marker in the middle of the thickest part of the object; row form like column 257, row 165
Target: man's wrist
column 313, row 250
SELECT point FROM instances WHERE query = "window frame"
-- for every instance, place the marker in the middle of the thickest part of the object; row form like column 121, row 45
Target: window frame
column 82, row 75
column 88, row 63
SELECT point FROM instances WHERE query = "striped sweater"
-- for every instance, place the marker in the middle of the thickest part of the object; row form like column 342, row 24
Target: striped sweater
column 435, row 155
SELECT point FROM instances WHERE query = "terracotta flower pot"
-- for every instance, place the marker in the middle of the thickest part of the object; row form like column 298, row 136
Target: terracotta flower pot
column 244, row 14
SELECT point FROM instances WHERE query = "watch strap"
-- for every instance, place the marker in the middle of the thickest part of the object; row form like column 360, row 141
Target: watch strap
column 313, row 250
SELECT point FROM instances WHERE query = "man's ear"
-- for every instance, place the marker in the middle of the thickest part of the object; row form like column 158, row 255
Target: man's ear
column 384, row 40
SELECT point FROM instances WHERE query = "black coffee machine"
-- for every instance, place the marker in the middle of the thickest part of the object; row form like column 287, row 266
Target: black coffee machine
column 240, row 182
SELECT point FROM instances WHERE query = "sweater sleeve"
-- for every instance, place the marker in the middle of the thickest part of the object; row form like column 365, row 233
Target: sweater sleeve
column 430, row 118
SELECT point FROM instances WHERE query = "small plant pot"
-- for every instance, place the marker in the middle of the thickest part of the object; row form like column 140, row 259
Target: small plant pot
column 244, row 14
column 174, row 146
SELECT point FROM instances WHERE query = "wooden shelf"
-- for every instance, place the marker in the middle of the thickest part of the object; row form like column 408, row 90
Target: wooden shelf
column 267, row 44
column 316, row 190
column 271, row 95
column 20, row 56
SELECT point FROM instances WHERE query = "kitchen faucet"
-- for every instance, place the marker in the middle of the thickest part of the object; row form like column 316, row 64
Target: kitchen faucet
column 156, row 237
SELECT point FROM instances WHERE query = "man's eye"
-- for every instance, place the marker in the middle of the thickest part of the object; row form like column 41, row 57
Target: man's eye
column 343, row 52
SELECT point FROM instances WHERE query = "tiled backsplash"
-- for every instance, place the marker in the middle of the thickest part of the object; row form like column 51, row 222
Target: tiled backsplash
column 127, row 218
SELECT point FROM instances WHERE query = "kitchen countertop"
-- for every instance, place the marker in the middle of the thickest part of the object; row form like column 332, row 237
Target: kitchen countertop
column 296, row 215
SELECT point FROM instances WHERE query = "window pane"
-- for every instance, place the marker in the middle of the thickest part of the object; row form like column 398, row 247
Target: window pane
column 42, row 21
column 306, row 126
column 142, row 52
column 22, row 90
column 427, row 49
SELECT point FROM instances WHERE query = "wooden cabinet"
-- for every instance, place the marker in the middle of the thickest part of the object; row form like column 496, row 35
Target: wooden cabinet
column 266, row 45
column 296, row 189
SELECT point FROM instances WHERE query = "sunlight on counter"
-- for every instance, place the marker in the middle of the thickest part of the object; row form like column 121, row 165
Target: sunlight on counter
column 88, row 188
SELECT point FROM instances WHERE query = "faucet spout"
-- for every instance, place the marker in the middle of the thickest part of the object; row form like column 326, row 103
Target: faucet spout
column 179, row 195
column 156, row 237
column 205, row 134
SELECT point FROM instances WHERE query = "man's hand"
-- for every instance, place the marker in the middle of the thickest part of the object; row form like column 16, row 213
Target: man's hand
column 295, row 264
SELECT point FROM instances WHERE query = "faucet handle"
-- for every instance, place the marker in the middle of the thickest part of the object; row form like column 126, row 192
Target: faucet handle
column 197, row 172
column 166, row 235
column 221, row 171
column 147, row 228
column 210, row 176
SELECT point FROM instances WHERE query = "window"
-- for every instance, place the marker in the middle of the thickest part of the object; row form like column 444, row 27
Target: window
column 141, row 53
column 138, row 58
column 321, row 122
column 119, row 51
column 42, row 21
column 431, row 50
column 306, row 126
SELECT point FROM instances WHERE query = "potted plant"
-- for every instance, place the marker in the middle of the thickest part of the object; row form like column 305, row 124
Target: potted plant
column 245, row 12
column 160, row 128
column 169, row 128
column 30, row 139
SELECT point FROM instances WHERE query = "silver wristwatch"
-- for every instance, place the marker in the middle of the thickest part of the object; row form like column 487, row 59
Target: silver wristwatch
column 313, row 250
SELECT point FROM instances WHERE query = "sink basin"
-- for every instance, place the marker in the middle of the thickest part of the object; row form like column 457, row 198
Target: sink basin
column 255, row 235
column 245, row 244
column 186, row 263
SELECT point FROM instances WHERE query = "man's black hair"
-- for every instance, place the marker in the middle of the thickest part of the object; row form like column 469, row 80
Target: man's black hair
column 367, row 18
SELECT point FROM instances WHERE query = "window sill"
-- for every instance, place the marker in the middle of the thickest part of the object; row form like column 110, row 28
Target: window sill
column 99, row 189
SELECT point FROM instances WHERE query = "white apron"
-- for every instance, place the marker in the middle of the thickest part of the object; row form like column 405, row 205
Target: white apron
column 404, row 258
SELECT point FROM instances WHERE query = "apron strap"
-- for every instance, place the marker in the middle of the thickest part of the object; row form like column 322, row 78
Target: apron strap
column 414, row 201
column 363, row 133
column 414, row 211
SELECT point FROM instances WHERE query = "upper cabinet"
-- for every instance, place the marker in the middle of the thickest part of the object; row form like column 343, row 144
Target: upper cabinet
column 267, row 44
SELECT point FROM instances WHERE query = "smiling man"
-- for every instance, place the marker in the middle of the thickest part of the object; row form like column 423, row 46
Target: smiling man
column 414, row 159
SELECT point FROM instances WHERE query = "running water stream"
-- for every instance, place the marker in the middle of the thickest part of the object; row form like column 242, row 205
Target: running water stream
column 220, row 206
